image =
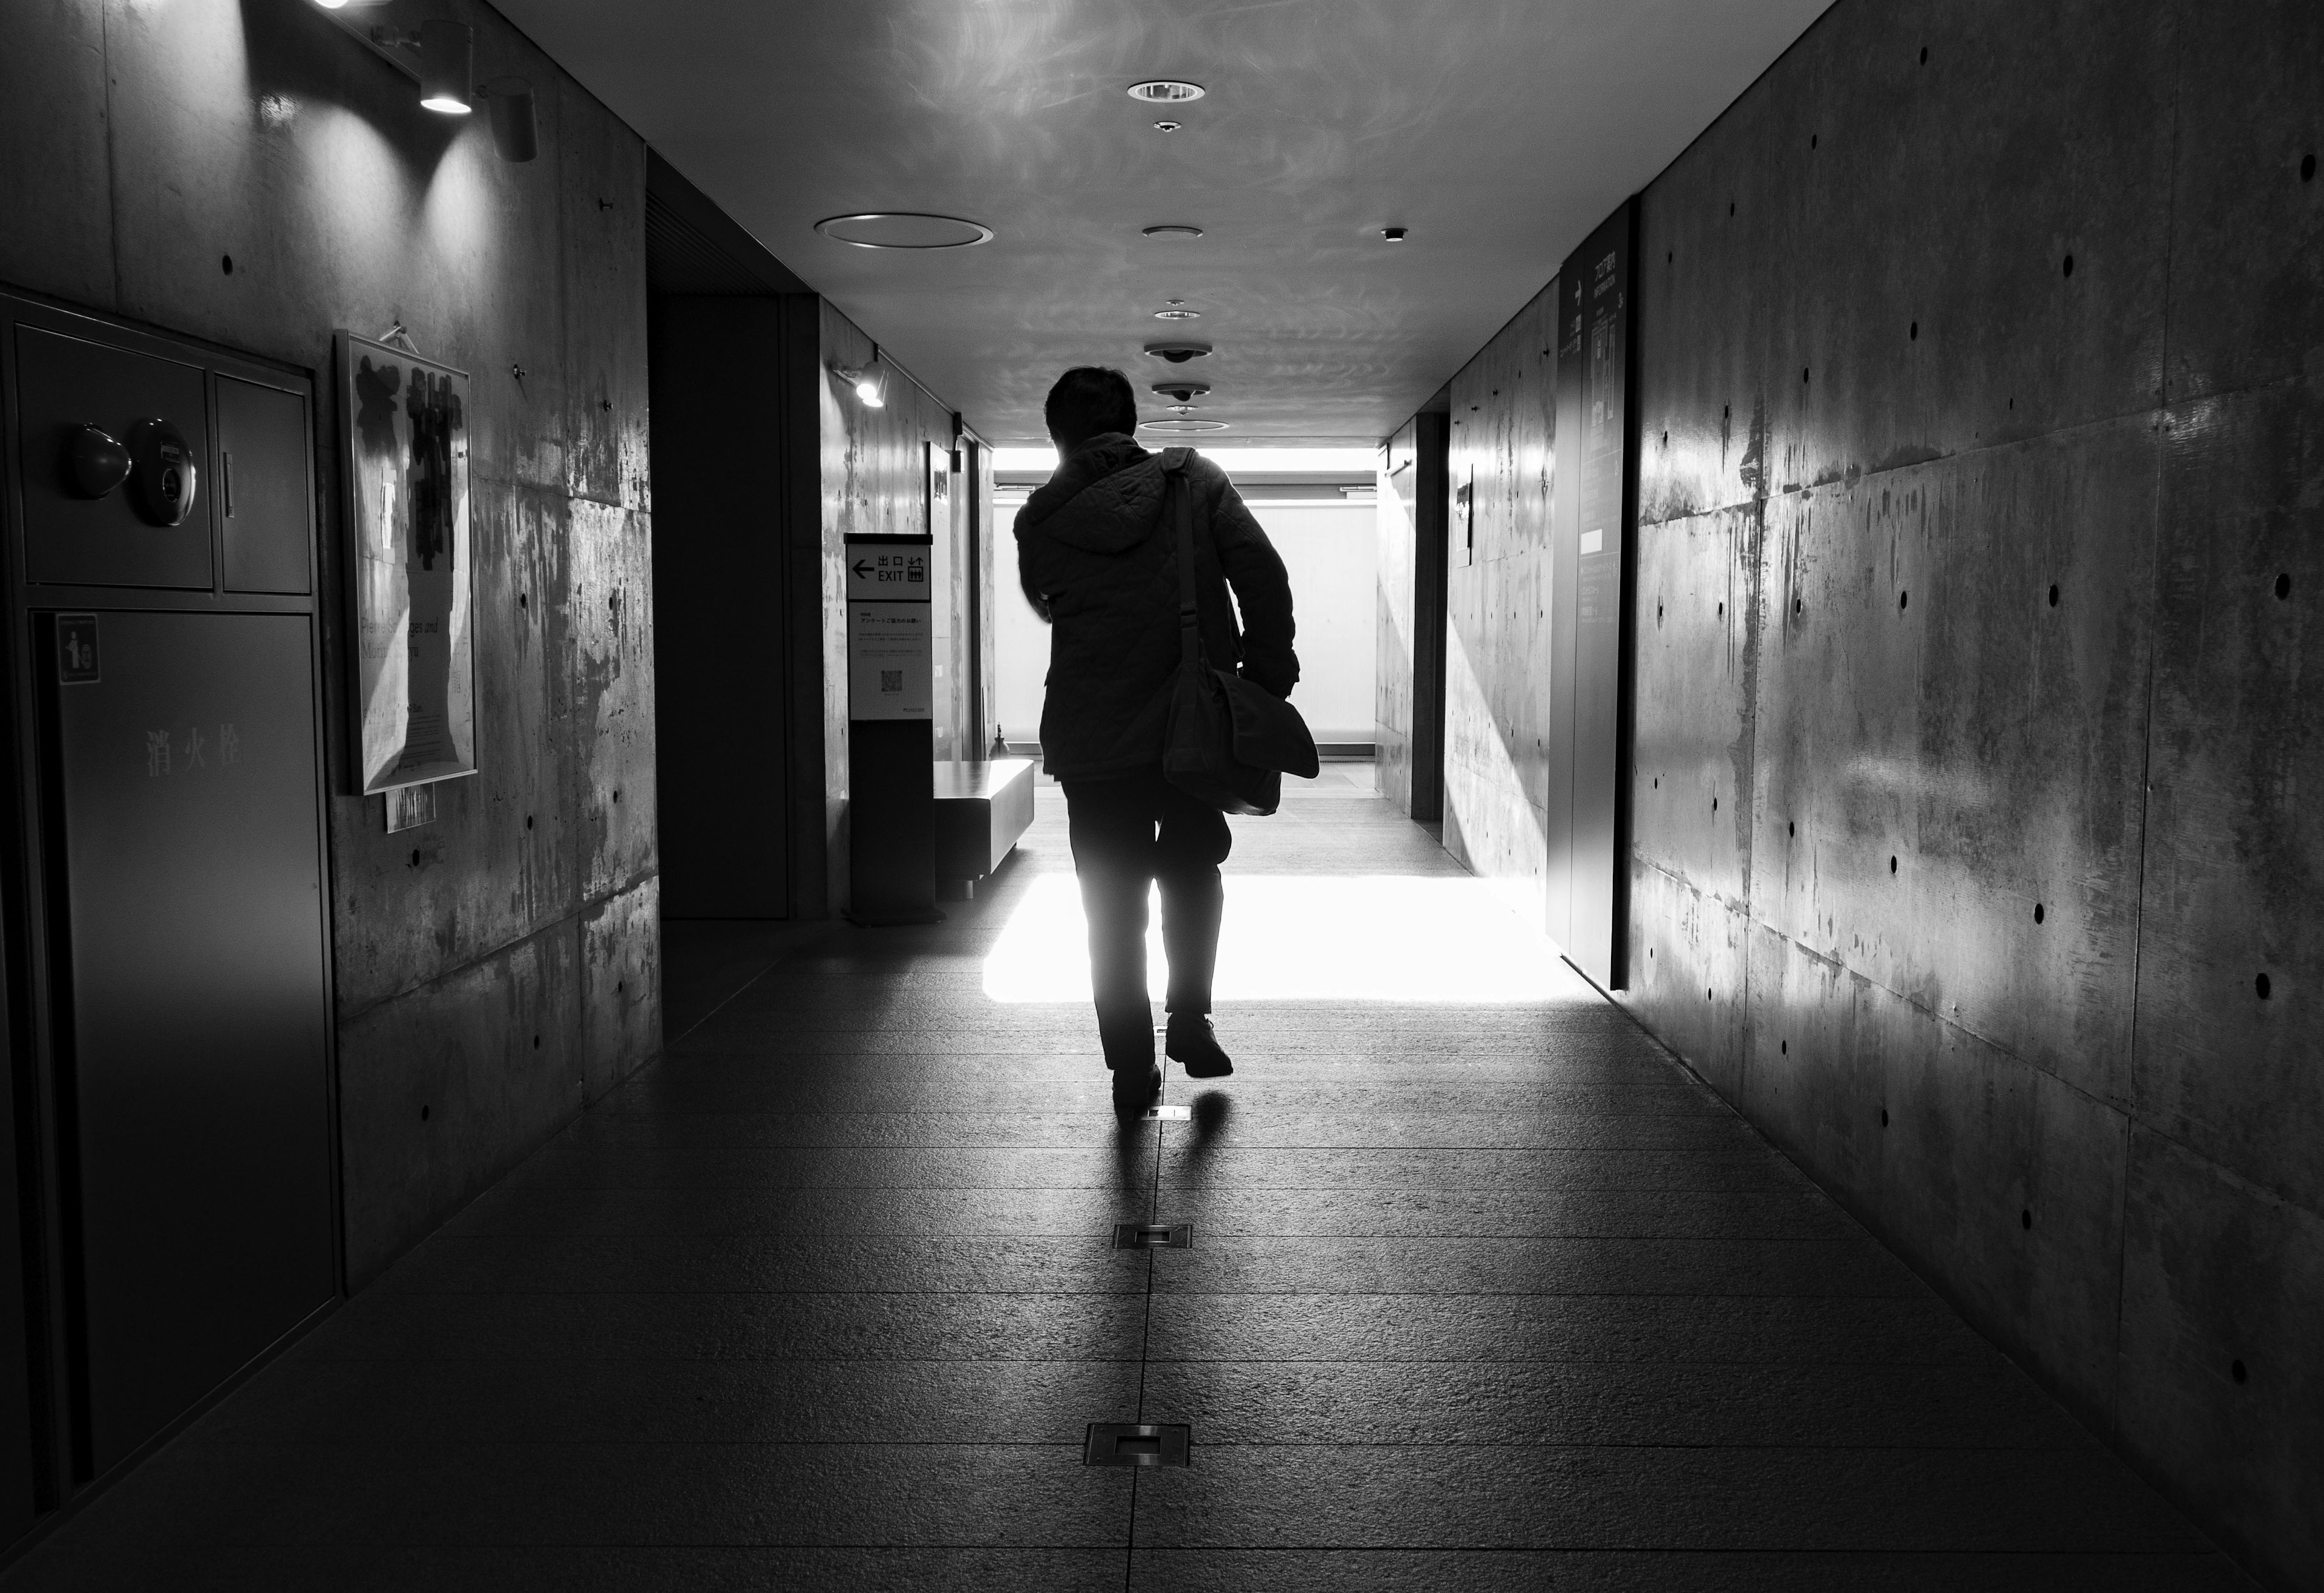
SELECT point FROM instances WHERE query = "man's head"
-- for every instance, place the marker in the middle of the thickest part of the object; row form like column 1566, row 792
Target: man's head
column 1086, row 400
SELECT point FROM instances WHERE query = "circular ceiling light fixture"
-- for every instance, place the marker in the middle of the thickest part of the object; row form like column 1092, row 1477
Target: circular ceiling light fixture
column 1173, row 230
column 903, row 229
column 1167, row 126
column 1165, row 91
column 1178, row 315
column 1181, row 428
column 1393, row 234
column 1182, row 389
column 1178, row 353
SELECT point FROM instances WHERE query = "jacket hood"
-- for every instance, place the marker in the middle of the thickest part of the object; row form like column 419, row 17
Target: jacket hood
column 1105, row 497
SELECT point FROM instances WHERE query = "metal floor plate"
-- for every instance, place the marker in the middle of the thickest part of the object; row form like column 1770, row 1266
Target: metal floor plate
column 1138, row 1444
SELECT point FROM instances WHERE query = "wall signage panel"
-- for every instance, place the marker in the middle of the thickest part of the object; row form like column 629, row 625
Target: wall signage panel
column 1597, row 503
column 890, row 730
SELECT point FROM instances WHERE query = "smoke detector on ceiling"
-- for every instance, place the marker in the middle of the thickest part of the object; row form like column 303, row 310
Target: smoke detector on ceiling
column 1178, row 353
column 1165, row 91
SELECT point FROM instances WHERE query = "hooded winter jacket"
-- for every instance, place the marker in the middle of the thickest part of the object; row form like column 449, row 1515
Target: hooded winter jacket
column 1097, row 563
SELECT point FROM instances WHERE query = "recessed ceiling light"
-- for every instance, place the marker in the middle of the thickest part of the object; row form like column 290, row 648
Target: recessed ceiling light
column 1178, row 353
column 1393, row 234
column 1178, row 315
column 903, row 229
column 1182, row 389
column 1165, row 91
column 1167, row 126
column 1173, row 230
column 1181, row 428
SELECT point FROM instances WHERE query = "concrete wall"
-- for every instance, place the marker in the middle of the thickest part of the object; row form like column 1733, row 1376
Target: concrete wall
column 1333, row 557
column 1497, row 764
column 871, row 481
column 500, row 967
column 1408, row 694
column 1976, row 859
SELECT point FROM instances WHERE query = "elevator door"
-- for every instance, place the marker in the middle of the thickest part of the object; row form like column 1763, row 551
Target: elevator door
column 192, row 880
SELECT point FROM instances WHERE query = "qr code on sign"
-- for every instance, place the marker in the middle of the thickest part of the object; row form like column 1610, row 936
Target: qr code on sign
column 891, row 680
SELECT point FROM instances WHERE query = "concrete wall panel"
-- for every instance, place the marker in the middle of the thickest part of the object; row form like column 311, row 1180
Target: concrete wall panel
column 620, row 988
column 1697, row 655
column 608, row 662
column 1926, row 701
column 2002, row 609
column 1688, row 974
column 2250, row 203
column 2226, row 1063
column 1392, row 679
column 446, row 1087
column 1496, row 668
column 1977, row 1144
column 603, row 226
column 1813, row 1070
column 53, row 152
column 2223, row 1287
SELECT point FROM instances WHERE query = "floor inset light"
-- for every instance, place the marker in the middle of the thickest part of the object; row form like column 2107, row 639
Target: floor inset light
column 1382, row 937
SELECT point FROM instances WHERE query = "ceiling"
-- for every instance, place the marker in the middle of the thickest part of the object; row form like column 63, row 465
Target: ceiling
column 1499, row 131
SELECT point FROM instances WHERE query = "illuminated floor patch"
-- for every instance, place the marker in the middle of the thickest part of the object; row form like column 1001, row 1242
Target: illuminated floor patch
column 1385, row 937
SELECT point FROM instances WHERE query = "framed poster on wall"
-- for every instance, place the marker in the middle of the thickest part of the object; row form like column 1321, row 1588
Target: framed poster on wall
column 404, row 453
column 937, row 463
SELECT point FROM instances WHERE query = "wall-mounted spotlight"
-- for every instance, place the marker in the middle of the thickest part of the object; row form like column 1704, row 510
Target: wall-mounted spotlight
column 448, row 67
column 516, row 129
column 870, row 383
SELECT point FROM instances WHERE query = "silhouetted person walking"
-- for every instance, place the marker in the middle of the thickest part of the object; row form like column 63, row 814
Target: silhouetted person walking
column 1099, row 563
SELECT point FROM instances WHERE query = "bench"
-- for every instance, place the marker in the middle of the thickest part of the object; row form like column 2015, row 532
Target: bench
column 981, row 811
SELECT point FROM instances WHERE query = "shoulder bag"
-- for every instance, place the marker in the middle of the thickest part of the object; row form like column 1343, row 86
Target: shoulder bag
column 1230, row 741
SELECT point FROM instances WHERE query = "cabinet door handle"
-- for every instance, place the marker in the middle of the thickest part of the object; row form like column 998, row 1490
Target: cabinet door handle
column 225, row 480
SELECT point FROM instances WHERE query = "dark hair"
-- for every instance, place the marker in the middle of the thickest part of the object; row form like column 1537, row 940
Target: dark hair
column 1086, row 400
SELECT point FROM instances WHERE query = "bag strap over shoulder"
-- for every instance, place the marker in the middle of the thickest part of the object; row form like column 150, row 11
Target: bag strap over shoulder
column 1178, row 501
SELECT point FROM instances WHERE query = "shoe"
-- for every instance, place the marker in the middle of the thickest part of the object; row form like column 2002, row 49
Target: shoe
column 1134, row 1090
column 1193, row 1046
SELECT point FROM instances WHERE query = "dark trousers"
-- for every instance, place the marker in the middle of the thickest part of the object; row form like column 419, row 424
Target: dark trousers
column 1127, row 835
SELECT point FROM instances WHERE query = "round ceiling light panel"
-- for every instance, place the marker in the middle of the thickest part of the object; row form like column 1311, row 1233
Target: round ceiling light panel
column 1173, row 230
column 1178, row 353
column 903, row 229
column 1181, row 428
column 1178, row 315
column 1165, row 91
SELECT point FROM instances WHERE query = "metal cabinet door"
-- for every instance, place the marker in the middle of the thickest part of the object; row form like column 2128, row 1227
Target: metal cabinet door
column 63, row 383
column 17, row 1499
column 190, row 868
column 265, row 500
